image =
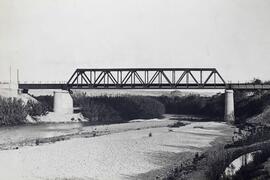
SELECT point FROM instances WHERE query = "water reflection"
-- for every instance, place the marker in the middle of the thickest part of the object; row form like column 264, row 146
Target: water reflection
column 235, row 166
column 28, row 132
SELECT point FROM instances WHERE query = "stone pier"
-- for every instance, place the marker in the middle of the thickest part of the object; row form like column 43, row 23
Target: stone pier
column 63, row 102
column 229, row 107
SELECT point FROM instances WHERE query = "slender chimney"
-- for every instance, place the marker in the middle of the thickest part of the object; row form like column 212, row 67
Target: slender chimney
column 18, row 79
column 10, row 77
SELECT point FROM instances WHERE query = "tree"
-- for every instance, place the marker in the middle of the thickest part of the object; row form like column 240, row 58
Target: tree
column 256, row 81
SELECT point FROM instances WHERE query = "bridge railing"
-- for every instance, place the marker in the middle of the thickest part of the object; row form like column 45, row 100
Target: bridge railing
column 42, row 82
column 248, row 86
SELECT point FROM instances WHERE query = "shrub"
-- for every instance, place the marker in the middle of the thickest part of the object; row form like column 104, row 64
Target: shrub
column 177, row 124
column 256, row 81
column 36, row 108
column 216, row 160
column 12, row 111
column 148, row 107
column 96, row 111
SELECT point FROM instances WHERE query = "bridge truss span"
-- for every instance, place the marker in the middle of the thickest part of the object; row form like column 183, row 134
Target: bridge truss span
column 146, row 78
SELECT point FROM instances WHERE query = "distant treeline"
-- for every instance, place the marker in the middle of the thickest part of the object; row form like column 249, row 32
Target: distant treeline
column 121, row 108
column 112, row 109
column 195, row 105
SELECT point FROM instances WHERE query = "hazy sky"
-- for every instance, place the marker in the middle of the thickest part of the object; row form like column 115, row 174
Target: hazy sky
column 49, row 39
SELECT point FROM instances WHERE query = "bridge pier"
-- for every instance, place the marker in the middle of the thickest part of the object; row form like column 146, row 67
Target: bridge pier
column 63, row 102
column 229, row 106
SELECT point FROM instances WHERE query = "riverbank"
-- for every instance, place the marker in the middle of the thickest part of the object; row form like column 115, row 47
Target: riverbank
column 126, row 153
column 18, row 109
column 195, row 164
column 212, row 164
column 36, row 134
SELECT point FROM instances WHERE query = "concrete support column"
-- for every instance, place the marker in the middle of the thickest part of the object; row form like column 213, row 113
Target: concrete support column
column 63, row 103
column 229, row 106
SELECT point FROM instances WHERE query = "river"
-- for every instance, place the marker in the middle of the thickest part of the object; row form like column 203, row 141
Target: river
column 125, row 151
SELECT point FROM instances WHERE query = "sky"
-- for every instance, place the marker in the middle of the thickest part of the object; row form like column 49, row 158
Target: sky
column 48, row 39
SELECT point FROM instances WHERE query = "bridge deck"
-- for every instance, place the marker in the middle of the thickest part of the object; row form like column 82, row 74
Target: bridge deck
column 146, row 78
column 235, row 86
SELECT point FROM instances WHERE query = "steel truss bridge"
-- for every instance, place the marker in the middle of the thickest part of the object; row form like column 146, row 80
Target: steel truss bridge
column 146, row 78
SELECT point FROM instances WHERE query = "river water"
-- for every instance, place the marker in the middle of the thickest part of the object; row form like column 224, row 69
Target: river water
column 29, row 132
column 123, row 153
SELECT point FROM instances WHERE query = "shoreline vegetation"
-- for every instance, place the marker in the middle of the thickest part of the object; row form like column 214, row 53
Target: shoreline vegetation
column 115, row 109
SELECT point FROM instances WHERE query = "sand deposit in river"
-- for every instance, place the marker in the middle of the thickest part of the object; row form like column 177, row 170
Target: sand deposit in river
column 113, row 156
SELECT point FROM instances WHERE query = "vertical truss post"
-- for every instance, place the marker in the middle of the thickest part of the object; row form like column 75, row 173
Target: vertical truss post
column 201, row 81
column 94, row 77
column 159, row 78
column 173, row 77
column 104, row 79
column 121, row 77
column 107, row 79
column 215, row 78
column 187, row 78
column 131, row 78
column 90, row 74
column 81, row 78
column 134, row 78
column 147, row 77
column 161, row 74
column 117, row 77
column 77, row 79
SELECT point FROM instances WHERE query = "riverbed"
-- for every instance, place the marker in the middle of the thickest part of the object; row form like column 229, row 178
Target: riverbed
column 125, row 152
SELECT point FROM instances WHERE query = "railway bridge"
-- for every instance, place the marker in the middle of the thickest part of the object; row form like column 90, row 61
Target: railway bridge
column 143, row 78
